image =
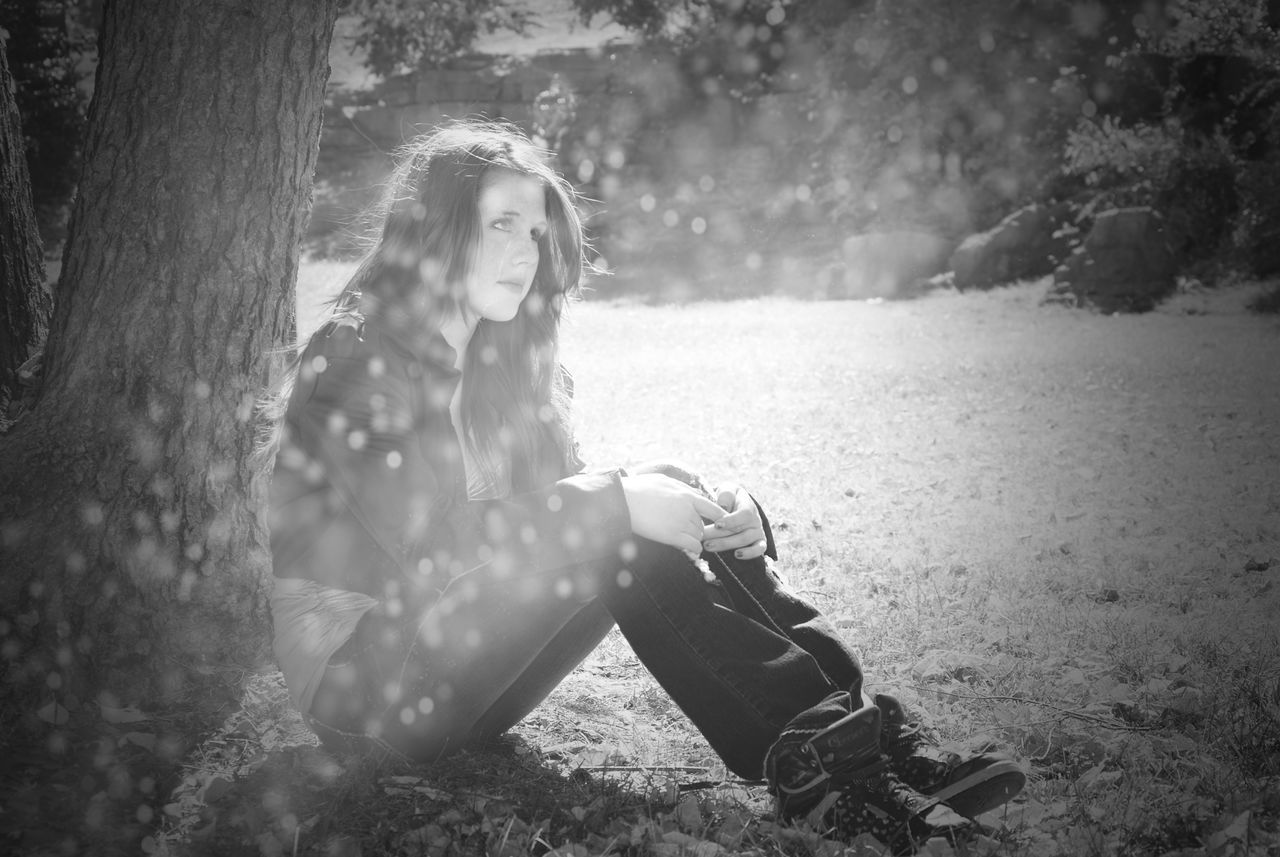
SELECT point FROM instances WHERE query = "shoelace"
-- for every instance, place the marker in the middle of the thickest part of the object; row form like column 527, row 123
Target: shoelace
column 902, row 738
column 894, row 788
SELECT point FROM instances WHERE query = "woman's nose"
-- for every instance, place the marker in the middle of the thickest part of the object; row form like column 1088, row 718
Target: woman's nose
column 525, row 252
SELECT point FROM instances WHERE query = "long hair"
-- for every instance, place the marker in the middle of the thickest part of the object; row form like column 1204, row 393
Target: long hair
column 514, row 402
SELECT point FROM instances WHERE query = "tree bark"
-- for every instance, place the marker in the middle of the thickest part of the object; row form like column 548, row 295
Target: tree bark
column 25, row 303
column 133, row 548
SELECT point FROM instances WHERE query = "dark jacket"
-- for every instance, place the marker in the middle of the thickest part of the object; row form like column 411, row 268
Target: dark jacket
column 369, row 492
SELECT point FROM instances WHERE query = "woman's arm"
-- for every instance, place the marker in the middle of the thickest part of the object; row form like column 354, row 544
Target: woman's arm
column 394, row 465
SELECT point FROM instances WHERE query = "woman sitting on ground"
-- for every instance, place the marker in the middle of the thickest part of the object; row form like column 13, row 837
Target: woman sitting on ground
column 442, row 559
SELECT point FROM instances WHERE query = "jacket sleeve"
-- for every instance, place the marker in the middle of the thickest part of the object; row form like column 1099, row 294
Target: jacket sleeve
column 390, row 452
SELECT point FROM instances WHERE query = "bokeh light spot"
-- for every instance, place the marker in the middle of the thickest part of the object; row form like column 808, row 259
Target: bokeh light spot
column 628, row 550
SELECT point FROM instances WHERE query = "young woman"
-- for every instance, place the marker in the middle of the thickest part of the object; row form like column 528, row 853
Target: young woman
column 442, row 560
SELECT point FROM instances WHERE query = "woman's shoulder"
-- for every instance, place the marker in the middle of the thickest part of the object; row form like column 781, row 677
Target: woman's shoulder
column 385, row 348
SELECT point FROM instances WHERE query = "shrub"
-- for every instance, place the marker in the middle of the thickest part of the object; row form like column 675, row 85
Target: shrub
column 1191, row 180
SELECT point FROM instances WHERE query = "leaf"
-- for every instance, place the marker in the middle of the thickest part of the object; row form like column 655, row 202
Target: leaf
column 121, row 715
column 1220, row 841
column 689, row 814
column 268, row 845
column 216, row 788
column 145, row 740
column 53, row 713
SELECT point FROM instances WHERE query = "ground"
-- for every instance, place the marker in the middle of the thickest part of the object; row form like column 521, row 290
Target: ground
column 1042, row 527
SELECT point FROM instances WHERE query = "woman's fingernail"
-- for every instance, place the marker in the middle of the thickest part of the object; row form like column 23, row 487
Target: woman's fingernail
column 738, row 554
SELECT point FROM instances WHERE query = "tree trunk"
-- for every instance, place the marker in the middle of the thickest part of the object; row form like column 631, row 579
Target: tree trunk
column 25, row 304
column 44, row 56
column 133, row 546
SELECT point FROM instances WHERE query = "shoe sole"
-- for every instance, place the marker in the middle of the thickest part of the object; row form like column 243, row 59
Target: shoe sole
column 984, row 790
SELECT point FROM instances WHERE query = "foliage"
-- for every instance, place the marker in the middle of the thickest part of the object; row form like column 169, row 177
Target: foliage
column 1230, row 27
column 401, row 35
column 886, row 115
column 1257, row 229
column 1105, row 153
column 1202, row 160
column 46, row 39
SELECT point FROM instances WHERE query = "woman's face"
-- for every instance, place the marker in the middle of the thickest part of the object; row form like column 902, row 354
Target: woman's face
column 513, row 218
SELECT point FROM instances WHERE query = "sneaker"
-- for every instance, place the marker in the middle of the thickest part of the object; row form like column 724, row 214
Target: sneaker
column 837, row 779
column 970, row 785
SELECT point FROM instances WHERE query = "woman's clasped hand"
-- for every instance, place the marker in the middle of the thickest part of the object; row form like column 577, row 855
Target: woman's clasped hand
column 670, row 512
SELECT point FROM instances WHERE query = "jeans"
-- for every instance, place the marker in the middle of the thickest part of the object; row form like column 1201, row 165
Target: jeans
column 741, row 656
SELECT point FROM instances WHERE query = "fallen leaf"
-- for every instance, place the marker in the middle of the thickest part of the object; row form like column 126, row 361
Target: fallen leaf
column 121, row 715
column 145, row 740
column 216, row 788
column 53, row 713
column 689, row 814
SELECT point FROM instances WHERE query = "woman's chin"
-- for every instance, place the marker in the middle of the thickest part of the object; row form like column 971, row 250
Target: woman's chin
column 500, row 313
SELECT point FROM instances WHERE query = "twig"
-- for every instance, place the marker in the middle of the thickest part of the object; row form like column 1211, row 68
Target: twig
column 698, row 785
column 1079, row 715
column 685, row 769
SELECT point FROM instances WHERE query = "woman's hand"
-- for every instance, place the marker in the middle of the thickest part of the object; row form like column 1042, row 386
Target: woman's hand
column 668, row 511
column 741, row 530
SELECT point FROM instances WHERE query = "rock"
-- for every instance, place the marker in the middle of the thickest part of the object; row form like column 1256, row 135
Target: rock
column 883, row 264
column 1029, row 243
column 1124, row 265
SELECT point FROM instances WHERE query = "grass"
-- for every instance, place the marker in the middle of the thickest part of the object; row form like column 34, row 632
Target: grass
column 1044, row 528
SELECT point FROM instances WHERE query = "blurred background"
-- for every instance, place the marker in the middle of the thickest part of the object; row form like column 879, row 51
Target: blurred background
column 828, row 149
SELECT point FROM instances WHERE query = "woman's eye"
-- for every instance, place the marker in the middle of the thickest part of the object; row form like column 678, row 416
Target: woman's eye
column 502, row 224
